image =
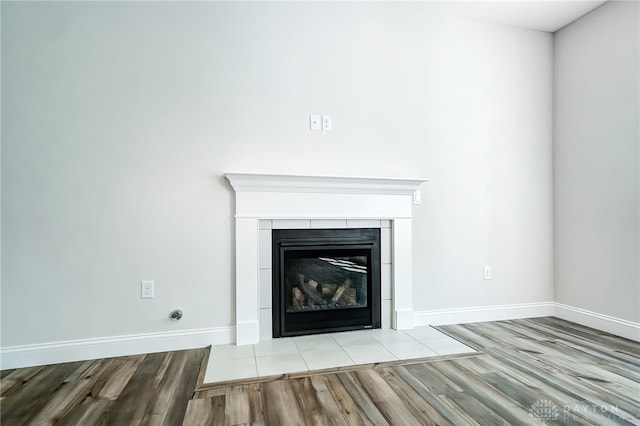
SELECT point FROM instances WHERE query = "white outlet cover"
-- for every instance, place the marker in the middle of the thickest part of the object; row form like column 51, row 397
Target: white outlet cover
column 327, row 123
column 315, row 123
column 146, row 289
column 417, row 197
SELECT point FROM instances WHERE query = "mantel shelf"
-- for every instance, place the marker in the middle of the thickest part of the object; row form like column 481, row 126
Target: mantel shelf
column 251, row 182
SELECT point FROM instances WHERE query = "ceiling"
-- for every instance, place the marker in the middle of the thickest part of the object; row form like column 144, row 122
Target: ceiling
column 543, row 15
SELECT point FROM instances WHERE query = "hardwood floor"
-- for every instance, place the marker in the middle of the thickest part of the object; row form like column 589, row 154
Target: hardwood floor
column 143, row 389
column 527, row 372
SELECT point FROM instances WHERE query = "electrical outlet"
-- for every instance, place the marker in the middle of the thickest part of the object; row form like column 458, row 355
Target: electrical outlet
column 146, row 289
column 487, row 272
column 314, row 122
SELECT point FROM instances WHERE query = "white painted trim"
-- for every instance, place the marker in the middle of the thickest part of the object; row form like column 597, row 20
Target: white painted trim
column 106, row 347
column 262, row 197
column 483, row 313
column 254, row 182
column 79, row 350
column 617, row 326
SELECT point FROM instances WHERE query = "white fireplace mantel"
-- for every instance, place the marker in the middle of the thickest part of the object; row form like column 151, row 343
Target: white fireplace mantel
column 244, row 182
column 267, row 196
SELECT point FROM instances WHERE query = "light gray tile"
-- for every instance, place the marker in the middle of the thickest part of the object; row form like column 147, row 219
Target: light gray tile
column 409, row 350
column 280, row 364
column 390, row 336
column 366, row 354
column 385, row 245
column 291, row 223
column 363, row 223
column 423, row 333
column 386, row 315
column 266, row 326
column 349, row 338
column 385, row 280
column 231, row 352
column 264, row 249
column 447, row 346
column 264, row 224
column 318, row 360
column 218, row 371
column 329, row 223
column 385, row 223
column 316, row 342
column 283, row 346
column 265, row 288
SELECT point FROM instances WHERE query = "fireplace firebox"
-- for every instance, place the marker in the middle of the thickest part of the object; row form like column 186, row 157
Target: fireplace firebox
column 325, row 280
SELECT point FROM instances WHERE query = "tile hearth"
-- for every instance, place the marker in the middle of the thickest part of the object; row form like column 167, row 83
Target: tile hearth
column 320, row 351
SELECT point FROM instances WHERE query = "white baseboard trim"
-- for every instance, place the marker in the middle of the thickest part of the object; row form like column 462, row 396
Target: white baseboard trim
column 483, row 313
column 85, row 349
column 617, row 326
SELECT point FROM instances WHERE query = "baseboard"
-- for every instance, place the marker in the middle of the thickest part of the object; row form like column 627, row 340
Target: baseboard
column 483, row 313
column 85, row 349
column 79, row 350
column 617, row 326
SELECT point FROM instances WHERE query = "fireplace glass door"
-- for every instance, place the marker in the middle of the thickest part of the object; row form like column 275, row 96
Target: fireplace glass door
column 325, row 280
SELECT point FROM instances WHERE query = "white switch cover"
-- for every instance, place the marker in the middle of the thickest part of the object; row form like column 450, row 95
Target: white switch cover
column 327, row 124
column 417, row 197
column 315, row 122
column 487, row 272
column 146, row 289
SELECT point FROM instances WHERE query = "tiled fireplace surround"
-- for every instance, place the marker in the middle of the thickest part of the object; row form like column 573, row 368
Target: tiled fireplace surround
column 265, row 202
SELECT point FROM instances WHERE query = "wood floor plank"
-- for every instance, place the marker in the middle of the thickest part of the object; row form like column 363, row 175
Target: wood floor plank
column 71, row 392
column 347, row 405
column 362, row 399
column 427, row 413
column 243, row 405
column 209, row 393
column 176, row 388
column 280, row 404
column 20, row 407
column 476, row 388
column 205, row 411
column 433, row 398
column 141, row 388
column 112, row 385
column 13, row 381
column 385, row 398
column 93, row 413
column 307, row 397
column 331, row 409
column 5, row 373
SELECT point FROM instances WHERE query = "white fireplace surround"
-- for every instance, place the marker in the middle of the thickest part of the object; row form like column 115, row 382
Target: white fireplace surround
column 261, row 197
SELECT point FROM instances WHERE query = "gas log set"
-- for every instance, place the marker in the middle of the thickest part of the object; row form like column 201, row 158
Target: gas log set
column 323, row 295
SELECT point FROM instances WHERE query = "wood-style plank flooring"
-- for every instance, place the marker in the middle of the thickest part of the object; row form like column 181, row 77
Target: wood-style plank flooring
column 527, row 372
column 149, row 389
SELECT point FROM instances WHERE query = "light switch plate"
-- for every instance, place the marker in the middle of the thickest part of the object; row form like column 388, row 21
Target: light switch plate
column 486, row 272
column 327, row 123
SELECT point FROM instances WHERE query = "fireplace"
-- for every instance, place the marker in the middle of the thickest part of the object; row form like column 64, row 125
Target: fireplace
column 325, row 280
column 264, row 202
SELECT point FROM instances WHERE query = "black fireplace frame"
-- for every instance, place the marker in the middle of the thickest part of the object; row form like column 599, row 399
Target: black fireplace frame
column 361, row 241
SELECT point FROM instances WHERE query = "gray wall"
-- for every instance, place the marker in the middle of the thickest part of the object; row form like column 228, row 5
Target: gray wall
column 596, row 162
column 119, row 119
